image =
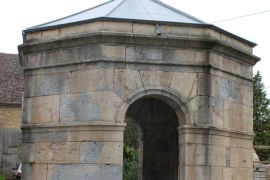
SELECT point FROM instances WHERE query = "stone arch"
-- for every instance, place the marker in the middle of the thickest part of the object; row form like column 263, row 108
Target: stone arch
column 167, row 95
column 156, row 116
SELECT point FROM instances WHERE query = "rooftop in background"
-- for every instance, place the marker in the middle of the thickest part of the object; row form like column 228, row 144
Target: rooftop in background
column 11, row 79
column 144, row 10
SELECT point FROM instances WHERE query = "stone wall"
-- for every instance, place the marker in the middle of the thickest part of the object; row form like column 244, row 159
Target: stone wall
column 10, row 138
column 261, row 171
column 78, row 87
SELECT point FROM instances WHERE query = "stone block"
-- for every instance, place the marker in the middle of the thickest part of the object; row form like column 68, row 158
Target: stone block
column 49, row 136
column 89, row 106
column 84, row 172
column 28, row 152
column 244, row 143
column 218, row 156
column 10, row 117
column 111, row 136
column 9, row 162
column 220, row 140
column 185, row 84
column 64, row 56
column 197, row 172
column 229, row 174
column 42, row 85
column 127, row 82
column 33, row 36
column 244, row 173
column 44, row 109
column 165, row 56
column 236, row 157
column 216, row 173
column 235, row 43
column 195, row 138
column 79, row 107
column 12, row 150
column 196, row 154
column 34, row 171
column 101, row 152
column 231, row 90
column 92, row 80
column 156, row 78
column 143, row 54
column 230, row 65
column 64, row 152
column 50, row 34
column 113, row 53
column 208, row 111
column 148, row 29
column 246, row 158
column 94, row 27
column 238, row 116
column 204, row 85
column 85, row 28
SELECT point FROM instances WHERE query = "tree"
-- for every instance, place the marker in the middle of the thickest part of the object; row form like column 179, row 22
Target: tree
column 261, row 116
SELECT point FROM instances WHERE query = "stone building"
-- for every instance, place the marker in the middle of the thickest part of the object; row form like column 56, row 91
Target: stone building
column 186, row 83
column 11, row 88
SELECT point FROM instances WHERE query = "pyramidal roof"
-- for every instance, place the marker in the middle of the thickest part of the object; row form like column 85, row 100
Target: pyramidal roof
column 140, row 10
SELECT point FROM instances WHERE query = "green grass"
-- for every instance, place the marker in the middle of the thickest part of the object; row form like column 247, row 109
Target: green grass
column 2, row 177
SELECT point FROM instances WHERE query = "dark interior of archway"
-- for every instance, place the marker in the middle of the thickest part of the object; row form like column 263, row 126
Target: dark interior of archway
column 158, row 123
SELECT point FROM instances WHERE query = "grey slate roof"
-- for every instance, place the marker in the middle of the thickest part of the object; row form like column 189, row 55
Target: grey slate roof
column 145, row 10
column 11, row 79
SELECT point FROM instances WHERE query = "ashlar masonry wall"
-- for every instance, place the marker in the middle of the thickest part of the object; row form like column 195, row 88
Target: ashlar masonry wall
column 81, row 79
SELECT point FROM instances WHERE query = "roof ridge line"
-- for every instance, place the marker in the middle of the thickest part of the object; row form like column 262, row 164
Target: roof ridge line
column 114, row 8
column 69, row 15
column 177, row 10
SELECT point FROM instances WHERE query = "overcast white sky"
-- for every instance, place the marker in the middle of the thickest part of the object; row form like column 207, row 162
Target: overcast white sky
column 16, row 15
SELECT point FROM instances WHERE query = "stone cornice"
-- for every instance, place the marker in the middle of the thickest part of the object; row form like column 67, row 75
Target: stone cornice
column 138, row 40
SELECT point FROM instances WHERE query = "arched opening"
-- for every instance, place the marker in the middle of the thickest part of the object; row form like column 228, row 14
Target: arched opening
column 151, row 139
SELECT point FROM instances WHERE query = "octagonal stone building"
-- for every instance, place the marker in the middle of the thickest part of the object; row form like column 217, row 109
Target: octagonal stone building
column 187, row 85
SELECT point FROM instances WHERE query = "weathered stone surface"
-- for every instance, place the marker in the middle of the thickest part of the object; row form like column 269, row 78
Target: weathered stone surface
column 196, row 154
column 116, row 53
column 84, row 172
column 9, row 162
column 197, row 172
column 44, row 109
column 244, row 173
column 216, row 173
column 64, row 56
column 231, row 90
column 28, row 152
column 95, row 135
column 238, row 116
column 92, row 80
column 156, row 78
column 34, row 171
column 230, row 65
column 208, row 110
column 10, row 117
column 79, row 107
column 101, row 152
column 49, row 136
column 89, row 106
column 155, row 55
column 10, row 139
column 229, row 174
column 88, row 77
column 126, row 82
column 185, row 84
column 42, row 85
column 65, row 152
